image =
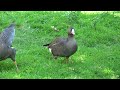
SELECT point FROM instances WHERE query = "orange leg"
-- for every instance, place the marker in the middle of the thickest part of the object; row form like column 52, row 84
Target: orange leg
column 16, row 65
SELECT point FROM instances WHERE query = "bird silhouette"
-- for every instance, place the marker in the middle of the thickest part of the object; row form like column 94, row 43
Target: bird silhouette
column 64, row 47
column 6, row 49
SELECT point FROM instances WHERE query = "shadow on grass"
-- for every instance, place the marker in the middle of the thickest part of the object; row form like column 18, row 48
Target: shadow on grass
column 6, row 66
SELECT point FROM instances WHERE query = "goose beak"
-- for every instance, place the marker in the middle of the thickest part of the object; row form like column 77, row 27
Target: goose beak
column 73, row 31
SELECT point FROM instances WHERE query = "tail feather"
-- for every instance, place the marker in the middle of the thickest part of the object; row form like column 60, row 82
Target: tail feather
column 46, row 45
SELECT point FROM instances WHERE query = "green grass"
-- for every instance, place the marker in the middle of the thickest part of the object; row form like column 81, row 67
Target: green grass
column 97, row 35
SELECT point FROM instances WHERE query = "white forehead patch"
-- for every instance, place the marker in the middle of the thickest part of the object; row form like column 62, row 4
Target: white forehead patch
column 73, row 31
column 50, row 49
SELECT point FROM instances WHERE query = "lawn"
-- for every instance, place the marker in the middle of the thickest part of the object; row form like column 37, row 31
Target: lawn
column 97, row 36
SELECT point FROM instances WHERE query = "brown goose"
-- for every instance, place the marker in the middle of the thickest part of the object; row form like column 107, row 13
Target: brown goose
column 6, row 38
column 63, row 47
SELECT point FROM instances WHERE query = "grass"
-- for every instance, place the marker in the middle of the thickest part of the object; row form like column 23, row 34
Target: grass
column 97, row 35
